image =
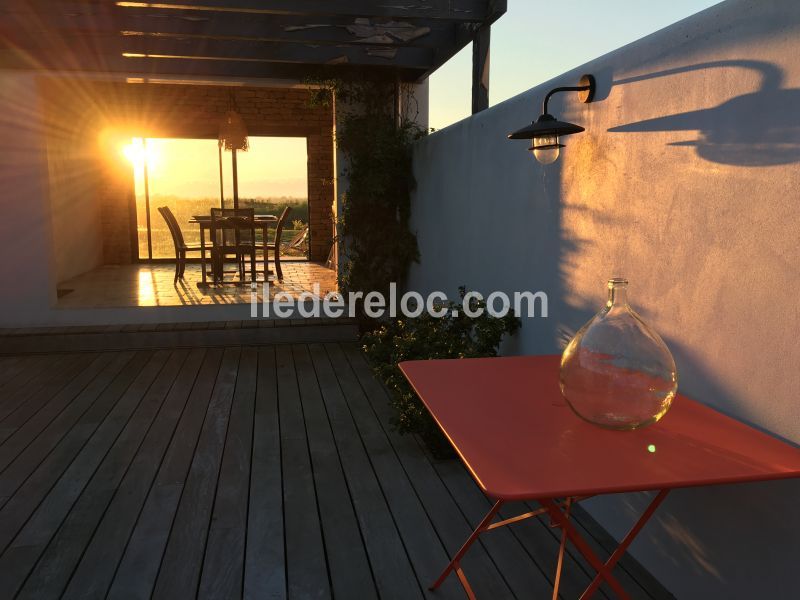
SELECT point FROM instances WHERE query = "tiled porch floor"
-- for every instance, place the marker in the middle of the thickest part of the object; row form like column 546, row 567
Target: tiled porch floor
column 152, row 285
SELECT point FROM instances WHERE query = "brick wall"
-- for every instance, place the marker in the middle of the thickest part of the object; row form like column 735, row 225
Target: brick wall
column 161, row 110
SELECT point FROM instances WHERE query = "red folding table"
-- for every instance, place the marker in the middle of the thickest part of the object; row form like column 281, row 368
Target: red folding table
column 512, row 428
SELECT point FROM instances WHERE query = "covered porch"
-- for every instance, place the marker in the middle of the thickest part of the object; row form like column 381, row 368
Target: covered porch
column 92, row 82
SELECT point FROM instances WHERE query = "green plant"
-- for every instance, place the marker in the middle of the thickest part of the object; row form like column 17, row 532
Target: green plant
column 374, row 238
column 298, row 224
column 429, row 337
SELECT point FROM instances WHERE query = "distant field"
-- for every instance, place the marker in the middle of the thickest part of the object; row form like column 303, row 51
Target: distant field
column 185, row 208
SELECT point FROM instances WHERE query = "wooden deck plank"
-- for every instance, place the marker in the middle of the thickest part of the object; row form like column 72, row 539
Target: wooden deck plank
column 374, row 497
column 11, row 401
column 306, row 569
column 14, row 366
column 139, row 568
column 424, row 546
column 9, row 366
column 27, row 370
column 348, row 565
column 59, row 374
column 223, row 564
column 35, row 534
column 265, row 560
column 62, row 554
column 183, row 558
column 274, row 473
column 450, row 524
column 22, row 453
column 27, row 481
column 95, row 571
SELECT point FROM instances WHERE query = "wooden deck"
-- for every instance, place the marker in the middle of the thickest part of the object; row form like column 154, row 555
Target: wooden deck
column 267, row 471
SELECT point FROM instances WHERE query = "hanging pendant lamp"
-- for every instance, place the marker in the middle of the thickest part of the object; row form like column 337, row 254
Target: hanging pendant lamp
column 233, row 132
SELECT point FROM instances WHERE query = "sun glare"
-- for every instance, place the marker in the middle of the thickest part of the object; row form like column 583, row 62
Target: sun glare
column 137, row 152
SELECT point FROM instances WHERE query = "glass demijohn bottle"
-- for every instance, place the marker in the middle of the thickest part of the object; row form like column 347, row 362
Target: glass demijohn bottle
column 617, row 372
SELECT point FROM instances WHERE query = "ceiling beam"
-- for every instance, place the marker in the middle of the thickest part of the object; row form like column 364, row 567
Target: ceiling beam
column 237, row 50
column 452, row 10
column 226, row 25
column 177, row 67
column 338, row 30
column 144, row 67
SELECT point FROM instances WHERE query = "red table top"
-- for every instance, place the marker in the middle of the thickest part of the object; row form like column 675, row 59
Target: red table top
column 508, row 421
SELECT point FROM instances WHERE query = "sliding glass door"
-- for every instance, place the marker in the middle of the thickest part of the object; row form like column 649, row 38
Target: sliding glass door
column 191, row 176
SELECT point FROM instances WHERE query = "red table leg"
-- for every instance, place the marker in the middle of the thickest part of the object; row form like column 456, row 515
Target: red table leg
column 561, row 549
column 559, row 512
column 455, row 563
column 561, row 518
column 626, row 541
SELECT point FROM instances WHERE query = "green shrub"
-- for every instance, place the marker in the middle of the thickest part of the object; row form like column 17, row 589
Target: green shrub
column 428, row 337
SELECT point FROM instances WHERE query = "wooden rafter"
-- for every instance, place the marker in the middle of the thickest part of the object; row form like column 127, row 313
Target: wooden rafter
column 450, row 10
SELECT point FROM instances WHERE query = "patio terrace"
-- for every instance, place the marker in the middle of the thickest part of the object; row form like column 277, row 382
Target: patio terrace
column 136, row 285
column 221, row 471
column 168, row 445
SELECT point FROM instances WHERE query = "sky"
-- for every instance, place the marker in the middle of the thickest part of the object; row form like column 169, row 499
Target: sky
column 272, row 167
column 523, row 54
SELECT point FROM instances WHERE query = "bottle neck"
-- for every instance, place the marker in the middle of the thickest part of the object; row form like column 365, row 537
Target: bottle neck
column 617, row 293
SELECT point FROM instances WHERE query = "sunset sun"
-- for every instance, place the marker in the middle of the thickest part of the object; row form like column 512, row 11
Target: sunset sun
column 137, row 152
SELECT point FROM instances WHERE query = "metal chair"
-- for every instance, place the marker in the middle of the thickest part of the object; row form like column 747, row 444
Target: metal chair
column 233, row 233
column 275, row 245
column 181, row 247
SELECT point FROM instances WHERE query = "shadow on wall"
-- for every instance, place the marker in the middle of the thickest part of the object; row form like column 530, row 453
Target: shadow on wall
column 771, row 119
column 691, row 546
column 547, row 250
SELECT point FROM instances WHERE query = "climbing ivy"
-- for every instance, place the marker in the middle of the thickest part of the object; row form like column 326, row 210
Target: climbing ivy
column 376, row 246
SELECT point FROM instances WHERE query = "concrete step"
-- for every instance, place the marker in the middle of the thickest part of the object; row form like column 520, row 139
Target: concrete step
column 254, row 332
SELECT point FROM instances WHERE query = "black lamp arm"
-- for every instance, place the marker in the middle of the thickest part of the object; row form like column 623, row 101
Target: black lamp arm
column 574, row 88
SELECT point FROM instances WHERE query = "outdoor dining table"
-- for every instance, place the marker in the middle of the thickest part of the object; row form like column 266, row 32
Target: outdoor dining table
column 510, row 425
column 263, row 222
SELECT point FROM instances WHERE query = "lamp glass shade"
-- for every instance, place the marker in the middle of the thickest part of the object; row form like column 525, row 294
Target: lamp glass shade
column 546, row 149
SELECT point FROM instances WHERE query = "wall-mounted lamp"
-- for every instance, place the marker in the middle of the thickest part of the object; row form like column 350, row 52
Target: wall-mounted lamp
column 545, row 131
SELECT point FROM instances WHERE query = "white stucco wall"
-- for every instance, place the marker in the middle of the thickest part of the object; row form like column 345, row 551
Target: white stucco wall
column 27, row 267
column 74, row 204
column 687, row 182
column 50, row 223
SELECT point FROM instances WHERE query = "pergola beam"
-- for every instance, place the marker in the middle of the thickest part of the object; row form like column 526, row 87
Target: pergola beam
column 237, row 50
column 145, row 68
column 451, row 10
column 249, row 38
column 480, row 69
column 337, row 31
